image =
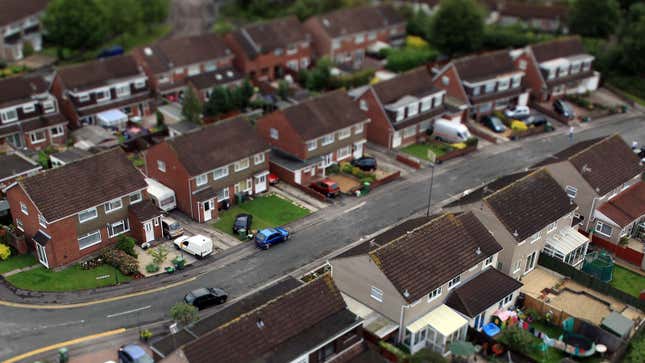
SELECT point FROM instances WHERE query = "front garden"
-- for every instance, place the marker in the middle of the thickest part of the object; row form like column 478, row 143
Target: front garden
column 442, row 151
column 70, row 279
column 16, row 262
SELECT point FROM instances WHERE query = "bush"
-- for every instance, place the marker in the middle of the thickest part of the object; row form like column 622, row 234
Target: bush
column 400, row 60
column 152, row 268
column 125, row 263
column 517, row 125
column 473, row 141
column 357, row 172
column 332, row 169
column 518, row 339
column 369, row 179
column 159, row 255
column 346, row 167
column 5, row 251
column 458, row 145
column 126, row 244
column 183, row 313
column 401, row 355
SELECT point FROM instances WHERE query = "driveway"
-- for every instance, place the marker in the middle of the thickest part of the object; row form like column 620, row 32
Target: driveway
column 221, row 240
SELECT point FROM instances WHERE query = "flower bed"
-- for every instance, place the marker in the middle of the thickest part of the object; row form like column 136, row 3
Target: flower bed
column 456, row 153
column 518, row 134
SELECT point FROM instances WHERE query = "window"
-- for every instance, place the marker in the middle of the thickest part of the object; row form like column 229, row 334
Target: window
column 161, row 165
column 454, row 282
column 179, row 71
column 118, row 228
column 489, row 87
column 503, row 84
column 19, row 224
column 258, row 158
column 363, row 105
column 38, row 136
column 293, row 64
column 140, row 83
column 274, row 133
column 489, row 261
column 201, row 180
column 434, row 294
column 220, row 173
column 360, row 38
column 242, row 164
column 400, row 114
column 522, row 64
column 413, row 109
column 113, row 205
column 344, row 133
column 222, row 194
column 505, row 300
column 571, row 191
column 426, row 104
column 551, row 74
column 358, row 129
column 210, row 66
column 438, row 101
column 344, row 152
column 575, row 67
column 563, row 71
column 193, row 70
column 376, row 294
column 371, row 36
column 424, row 125
column 518, row 265
column 335, row 44
column 586, row 65
column 102, row 95
column 42, row 221
column 135, row 197
column 327, row 139
column 48, row 106
column 551, row 227
column 536, row 236
column 28, row 108
column 445, row 80
column 603, row 229
column 475, row 90
column 122, row 90
column 304, row 63
column 163, row 79
column 292, row 49
column 87, row 215
column 57, row 131
column 83, row 97
column 278, row 51
column 9, row 115
column 410, row 131
column 516, row 81
column 24, row 209
column 89, row 239
column 249, row 184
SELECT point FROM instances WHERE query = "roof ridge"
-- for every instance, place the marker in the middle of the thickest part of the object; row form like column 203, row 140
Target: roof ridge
column 535, row 171
column 592, row 146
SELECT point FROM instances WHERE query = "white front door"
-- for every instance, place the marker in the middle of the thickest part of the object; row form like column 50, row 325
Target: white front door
column 208, row 210
column 523, row 99
column 396, row 139
column 358, row 150
column 530, row 262
column 260, row 183
column 150, row 233
column 42, row 254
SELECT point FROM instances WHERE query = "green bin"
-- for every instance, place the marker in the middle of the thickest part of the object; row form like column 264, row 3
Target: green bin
column 63, row 355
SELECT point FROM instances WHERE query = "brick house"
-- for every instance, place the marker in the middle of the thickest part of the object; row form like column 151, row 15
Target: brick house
column 423, row 282
column 268, row 50
column 106, row 92
column 29, row 114
column 14, row 166
column 403, row 108
column 544, row 17
column 345, row 35
column 557, row 67
column 204, row 83
column 487, row 82
column 169, row 62
column 210, row 167
column 19, row 25
column 623, row 215
column 73, row 211
column 309, row 137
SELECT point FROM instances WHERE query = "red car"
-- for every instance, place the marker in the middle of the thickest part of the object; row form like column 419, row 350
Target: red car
column 327, row 187
column 273, row 179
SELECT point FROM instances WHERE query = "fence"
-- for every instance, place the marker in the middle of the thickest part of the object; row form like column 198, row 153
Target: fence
column 549, row 112
column 624, row 253
column 542, row 308
column 589, row 281
column 378, row 182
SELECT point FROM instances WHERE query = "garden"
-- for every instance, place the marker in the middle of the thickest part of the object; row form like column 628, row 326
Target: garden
column 628, row 281
column 15, row 262
column 442, row 151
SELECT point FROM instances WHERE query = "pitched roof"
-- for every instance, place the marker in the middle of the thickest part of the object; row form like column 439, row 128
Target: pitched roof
column 479, row 67
column 627, row 206
column 431, row 255
column 99, row 72
column 274, row 327
column 217, row 145
column 266, row 36
column 176, row 52
column 416, row 82
column 360, row 19
column 487, row 189
column 14, row 164
column 212, row 79
column 558, row 48
column 17, row 89
column 483, row 291
column 324, row 114
column 83, row 184
column 145, row 210
column 14, row 10
column 529, row 204
column 531, row 11
column 568, row 152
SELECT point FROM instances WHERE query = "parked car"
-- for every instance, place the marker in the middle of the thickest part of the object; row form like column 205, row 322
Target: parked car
column 132, row 353
column 536, row 120
column 517, row 112
column 494, row 123
column 205, row 297
column 563, row 108
column 273, row 179
column 197, row 245
column 171, row 228
column 242, row 222
column 270, row 236
column 449, row 131
column 327, row 187
column 366, row 163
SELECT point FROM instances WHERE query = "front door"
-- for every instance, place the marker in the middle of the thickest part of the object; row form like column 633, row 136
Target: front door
column 530, row 262
column 358, row 150
column 42, row 254
column 260, row 183
column 478, row 323
column 208, row 210
column 396, row 139
column 150, row 233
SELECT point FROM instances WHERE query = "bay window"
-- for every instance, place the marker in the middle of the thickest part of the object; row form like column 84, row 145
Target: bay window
column 38, row 136
column 57, row 131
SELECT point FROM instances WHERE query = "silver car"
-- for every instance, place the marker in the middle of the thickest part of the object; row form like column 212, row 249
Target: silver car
column 171, row 228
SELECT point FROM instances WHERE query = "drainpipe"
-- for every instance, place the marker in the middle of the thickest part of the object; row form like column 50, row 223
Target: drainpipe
column 401, row 327
column 593, row 206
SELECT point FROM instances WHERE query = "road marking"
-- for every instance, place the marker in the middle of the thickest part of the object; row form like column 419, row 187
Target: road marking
column 66, row 343
column 129, row 312
column 354, row 207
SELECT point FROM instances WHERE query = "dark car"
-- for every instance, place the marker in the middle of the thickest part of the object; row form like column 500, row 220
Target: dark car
column 494, row 123
column 242, row 222
column 563, row 108
column 270, row 236
column 206, row 297
column 327, row 187
column 366, row 163
column 132, row 353
column 536, row 120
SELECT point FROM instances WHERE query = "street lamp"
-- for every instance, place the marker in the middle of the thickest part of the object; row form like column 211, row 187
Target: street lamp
column 430, row 189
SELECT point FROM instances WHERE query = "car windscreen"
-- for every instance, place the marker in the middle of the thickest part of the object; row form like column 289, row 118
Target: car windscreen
column 175, row 226
column 145, row 359
column 190, row 298
column 333, row 186
column 261, row 237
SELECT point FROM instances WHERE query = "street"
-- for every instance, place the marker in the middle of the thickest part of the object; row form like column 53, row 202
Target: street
column 22, row 330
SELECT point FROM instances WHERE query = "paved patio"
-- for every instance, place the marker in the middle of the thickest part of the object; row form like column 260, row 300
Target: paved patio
column 345, row 183
column 145, row 258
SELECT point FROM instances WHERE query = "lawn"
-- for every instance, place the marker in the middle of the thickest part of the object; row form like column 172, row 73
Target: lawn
column 421, row 150
column 551, row 355
column 267, row 211
column 17, row 261
column 630, row 282
column 70, row 279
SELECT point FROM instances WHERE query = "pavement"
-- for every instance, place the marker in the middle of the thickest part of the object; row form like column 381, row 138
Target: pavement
column 243, row 268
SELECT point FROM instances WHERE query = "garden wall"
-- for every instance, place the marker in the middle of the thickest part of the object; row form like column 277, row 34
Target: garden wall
column 477, row 132
column 516, row 135
column 408, row 160
column 549, row 112
column 378, row 182
column 624, row 253
column 456, row 153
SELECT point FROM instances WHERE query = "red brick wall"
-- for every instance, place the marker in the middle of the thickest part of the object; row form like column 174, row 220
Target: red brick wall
column 321, row 41
column 532, row 78
column 454, row 88
column 65, row 105
column 288, row 139
column 379, row 129
column 58, row 140
column 176, row 177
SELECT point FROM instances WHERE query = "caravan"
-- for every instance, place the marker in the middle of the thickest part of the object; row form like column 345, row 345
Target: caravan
column 162, row 196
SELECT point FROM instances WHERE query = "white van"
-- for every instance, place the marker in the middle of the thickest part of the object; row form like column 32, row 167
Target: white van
column 450, row 131
column 197, row 245
column 162, row 196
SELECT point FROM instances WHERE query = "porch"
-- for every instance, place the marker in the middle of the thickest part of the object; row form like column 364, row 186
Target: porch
column 436, row 330
column 567, row 245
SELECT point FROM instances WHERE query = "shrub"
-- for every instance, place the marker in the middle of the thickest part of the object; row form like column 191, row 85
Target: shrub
column 401, row 355
column 518, row 339
column 517, row 125
column 473, row 141
column 427, row 356
column 369, row 179
column 346, row 167
column 3, row 64
column 183, row 313
column 159, row 255
column 152, row 268
column 5, row 251
column 357, row 172
column 332, row 169
column 415, row 42
column 459, row 145
column 126, row 244
column 127, row 264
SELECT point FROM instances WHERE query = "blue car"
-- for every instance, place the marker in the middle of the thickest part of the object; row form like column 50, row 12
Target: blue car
column 133, row 353
column 270, row 236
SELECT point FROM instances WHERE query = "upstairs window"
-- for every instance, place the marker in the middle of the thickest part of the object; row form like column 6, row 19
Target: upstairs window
column 113, row 205
column 438, row 101
column 344, row 133
column 586, row 65
column 278, row 51
column 57, row 131
column 87, row 215
column 201, row 180
column 312, row 145
column 363, row 105
column 371, row 36
column 193, row 70
column 522, row 64
column 24, row 209
column 571, row 191
column 9, row 115
column 327, row 139
column 360, row 38
column 454, row 282
column 400, row 114
column 48, row 106
column 575, row 67
column 102, row 95
column 489, row 261
column 83, row 97
column 358, row 129
column 135, row 197
column 292, row 49
column 504, row 83
column 140, row 83
column 242, row 164
column 563, row 71
column 413, row 109
column 536, row 236
column 42, row 221
column 123, row 90
column 551, row 74
column 210, row 66
column 551, row 227
column 220, row 173
column 434, row 294
column 426, row 104
column 489, row 87
column 258, row 158
column 38, row 136
column 603, row 229
column 29, row 108
column 161, row 165
column 475, row 90
column 516, row 81
column 274, row 133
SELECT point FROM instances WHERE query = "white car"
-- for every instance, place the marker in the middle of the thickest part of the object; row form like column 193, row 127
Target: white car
column 197, row 245
column 517, row 112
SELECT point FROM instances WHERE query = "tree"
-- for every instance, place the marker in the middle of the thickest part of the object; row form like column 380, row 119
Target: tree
column 125, row 16
column 633, row 41
column 159, row 255
column 247, row 92
column 5, row 252
column 457, row 27
column 154, row 11
column 594, row 18
column 283, row 89
column 191, row 108
column 183, row 313
column 75, row 24
column 218, row 102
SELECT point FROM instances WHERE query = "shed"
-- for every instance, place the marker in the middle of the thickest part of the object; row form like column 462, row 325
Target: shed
column 618, row 324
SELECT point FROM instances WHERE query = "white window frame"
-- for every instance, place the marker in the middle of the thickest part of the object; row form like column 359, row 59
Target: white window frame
column 278, row 51
column 344, row 152
column 304, row 63
column 534, row 237
column 359, row 38
column 20, row 225
column 123, row 222
column 42, row 221
column 137, row 197
column 426, row 104
column 312, row 145
column 413, row 109
column 48, row 106
column 410, row 131
column 598, row 228
column 161, row 165
column 88, row 210
column 83, row 97
column 193, row 70
column 424, row 125
column 258, row 158
column 489, row 261
column 140, row 83
column 225, row 194
column 112, row 205
column 201, row 179
column 221, row 172
column 438, row 101
column 504, row 84
column 327, row 139
column 507, row 299
column 516, row 81
column 400, row 114
column 24, row 209
column 435, row 294
column 518, row 265
column 33, row 136
column 103, row 91
column 344, row 133
column 122, row 90
column 358, row 129
column 87, row 235
column 274, row 133
column 371, row 35
column 571, row 191
column 489, row 87
column 376, row 293
column 454, row 282
column 551, row 227
column 28, row 108
column 363, row 105
column 57, row 131
column 241, row 164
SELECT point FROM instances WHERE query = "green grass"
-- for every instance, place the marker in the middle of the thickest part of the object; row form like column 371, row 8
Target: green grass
column 267, row 211
column 421, row 150
column 17, row 261
column 70, row 279
column 633, row 87
column 630, row 282
column 552, row 331
column 552, row 355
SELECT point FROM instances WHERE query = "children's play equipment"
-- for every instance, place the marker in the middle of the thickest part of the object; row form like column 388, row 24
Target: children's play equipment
column 600, row 265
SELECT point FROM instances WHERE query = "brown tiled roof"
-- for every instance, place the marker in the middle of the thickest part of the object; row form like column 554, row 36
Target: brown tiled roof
column 43, row 121
column 528, row 11
column 264, row 37
column 99, row 72
column 360, row 19
column 416, row 82
column 607, row 164
column 269, row 326
column 324, row 114
column 83, row 184
column 530, row 204
column 177, row 52
column 482, row 292
column 145, row 210
column 479, row 67
column 14, row 10
column 558, row 48
column 488, row 189
column 627, row 206
column 217, row 145
column 12, row 164
column 212, row 79
column 431, row 255
column 568, row 152
column 17, row 89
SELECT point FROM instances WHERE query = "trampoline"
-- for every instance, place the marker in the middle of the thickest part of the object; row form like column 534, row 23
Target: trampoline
column 578, row 345
column 600, row 265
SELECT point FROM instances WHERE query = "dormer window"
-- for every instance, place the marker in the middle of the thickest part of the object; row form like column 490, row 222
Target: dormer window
column 438, row 101
column 476, row 90
column 551, row 74
column 516, row 81
column 278, row 51
column 48, row 106
column 83, row 97
column 122, row 90
column 9, row 115
column 575, row 67
column 413, row 109
column 140, row 83
column 210, row 66
column 28, row 108
column 504, row 83
column 454, row 282
column 400, row 114
column 586, row 65
column 489, row 87
column 563, row 71
column 102, row 95
column 360, row 38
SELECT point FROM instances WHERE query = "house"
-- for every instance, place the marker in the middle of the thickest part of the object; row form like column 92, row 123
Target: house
column 429, row 278
column 204, row 83
column 345, row 35
column 527, row 212
column 290, row 321
column 543, row 17
column 268, row 50
column 169, row 62
column 557, row 67
column 212, row 167
column 597, row 173
column 308, row 137
column 486, row 82
column 622, row 216
column 19, row 26
column 15, row 166
column 106, row 92
column 403, row 108
column 73, row 211
column 29, row 114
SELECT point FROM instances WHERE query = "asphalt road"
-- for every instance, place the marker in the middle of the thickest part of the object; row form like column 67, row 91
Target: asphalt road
column 22, row 330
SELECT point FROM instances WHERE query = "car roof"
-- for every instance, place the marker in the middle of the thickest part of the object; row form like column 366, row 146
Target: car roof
column 134, row 351
column 268, row 231
column 200, row 292
column 168, row 220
